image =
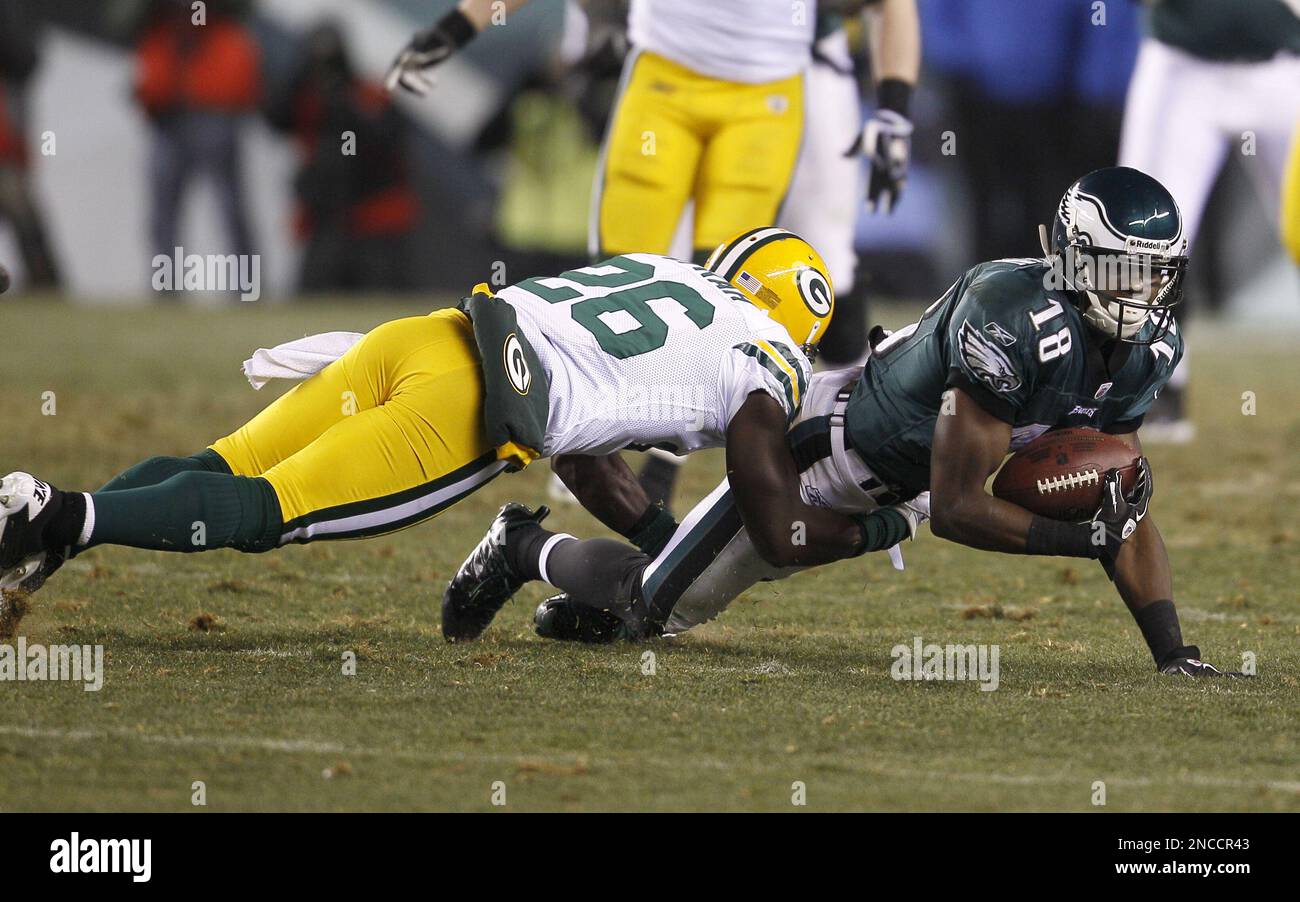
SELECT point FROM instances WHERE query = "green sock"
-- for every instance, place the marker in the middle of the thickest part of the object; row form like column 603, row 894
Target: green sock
column 158, row 469
column 191, row 511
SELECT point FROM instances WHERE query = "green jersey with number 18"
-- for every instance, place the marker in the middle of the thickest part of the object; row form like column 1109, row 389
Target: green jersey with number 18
column 1020, row 350
column 646, row 351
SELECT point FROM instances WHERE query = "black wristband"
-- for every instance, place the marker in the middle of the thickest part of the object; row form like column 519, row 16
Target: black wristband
column 653, row 530
column 1159, row 624
column 457, row 28
column 894, row 94
column 1055, row 537
column 880, row 530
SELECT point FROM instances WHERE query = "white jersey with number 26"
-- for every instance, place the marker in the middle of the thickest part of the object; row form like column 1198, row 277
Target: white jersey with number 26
column 643, row 350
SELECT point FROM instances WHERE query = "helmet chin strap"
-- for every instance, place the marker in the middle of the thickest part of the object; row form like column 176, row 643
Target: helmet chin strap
column 1096, row 313
column 1114, row 326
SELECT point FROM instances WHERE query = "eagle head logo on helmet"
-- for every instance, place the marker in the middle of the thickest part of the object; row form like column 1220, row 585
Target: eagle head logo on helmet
column 1118, row 239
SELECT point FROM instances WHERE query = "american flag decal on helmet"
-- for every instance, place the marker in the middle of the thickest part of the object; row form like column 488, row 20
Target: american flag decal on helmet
column 748, row 282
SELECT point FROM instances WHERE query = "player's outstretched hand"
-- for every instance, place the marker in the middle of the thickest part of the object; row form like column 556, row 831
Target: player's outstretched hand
column 887, row 141
column 426, row 50
column 1186, row 661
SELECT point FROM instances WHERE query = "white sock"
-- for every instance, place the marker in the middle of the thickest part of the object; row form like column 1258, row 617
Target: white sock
column 87, row 525
column 546, row 552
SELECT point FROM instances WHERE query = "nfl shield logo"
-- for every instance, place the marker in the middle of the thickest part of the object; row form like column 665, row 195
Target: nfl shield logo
column 1101, row 392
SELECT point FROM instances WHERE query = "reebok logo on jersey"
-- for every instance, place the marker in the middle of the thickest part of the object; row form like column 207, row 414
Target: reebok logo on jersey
column 985, row 360
column 512, row 357
column 1005, row 338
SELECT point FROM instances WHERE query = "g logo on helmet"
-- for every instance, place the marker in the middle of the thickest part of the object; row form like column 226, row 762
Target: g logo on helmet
column 815, row 291
column 512, row 357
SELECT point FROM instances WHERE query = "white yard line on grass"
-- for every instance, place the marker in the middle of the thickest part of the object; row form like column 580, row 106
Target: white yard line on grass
column 307, row 746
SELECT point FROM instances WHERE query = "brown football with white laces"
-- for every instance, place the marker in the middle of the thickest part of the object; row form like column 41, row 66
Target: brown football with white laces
column 1059, row 474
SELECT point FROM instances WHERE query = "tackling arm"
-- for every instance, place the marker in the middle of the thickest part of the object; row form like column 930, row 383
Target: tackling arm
column 785, row 531
column 605, row 486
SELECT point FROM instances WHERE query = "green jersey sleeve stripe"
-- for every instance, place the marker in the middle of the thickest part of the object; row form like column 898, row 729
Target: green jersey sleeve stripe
column 796, row 364
column 775, row 369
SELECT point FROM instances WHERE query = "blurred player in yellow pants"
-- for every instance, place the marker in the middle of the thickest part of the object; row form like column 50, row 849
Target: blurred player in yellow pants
column 1291, row 200
column 710, row 108
column 677, row 134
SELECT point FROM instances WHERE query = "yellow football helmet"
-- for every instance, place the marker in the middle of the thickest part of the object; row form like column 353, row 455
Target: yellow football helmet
column 781, row 274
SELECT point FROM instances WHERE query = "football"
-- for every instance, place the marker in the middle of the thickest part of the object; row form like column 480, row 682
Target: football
column 1059, row 474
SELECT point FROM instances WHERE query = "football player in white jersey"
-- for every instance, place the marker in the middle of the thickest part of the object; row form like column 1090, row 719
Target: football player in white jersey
column 637, row 384
column 639, row 350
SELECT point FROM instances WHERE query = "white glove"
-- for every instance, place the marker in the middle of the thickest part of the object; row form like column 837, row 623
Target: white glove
column 887, row 141
column 427, row 49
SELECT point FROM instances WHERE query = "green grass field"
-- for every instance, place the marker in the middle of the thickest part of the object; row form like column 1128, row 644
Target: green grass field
column 792, row 684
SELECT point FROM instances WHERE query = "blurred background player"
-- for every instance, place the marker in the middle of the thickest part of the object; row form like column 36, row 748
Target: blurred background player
column 355, row 214
column 1025, row 114
column 19, row 56
column 1291, row 201
column 1213, row 78
column 824, row 202
column 197, row 79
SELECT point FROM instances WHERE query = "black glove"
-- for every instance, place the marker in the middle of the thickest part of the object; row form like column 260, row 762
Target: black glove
column 1143, row 488
column 887, row 140
column 427, row 49
column 1120, row 515
column 1186, row 661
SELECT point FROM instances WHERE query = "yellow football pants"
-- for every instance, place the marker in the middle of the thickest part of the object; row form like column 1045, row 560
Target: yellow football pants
column 1291, row 200
column 386, row 436
column 675, row 135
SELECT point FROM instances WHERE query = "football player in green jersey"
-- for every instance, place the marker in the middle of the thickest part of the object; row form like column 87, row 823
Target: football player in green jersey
column 1084, row 336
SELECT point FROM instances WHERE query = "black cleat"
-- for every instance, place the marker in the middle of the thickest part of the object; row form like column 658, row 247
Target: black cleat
column 485, row 582
column 560, row 618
